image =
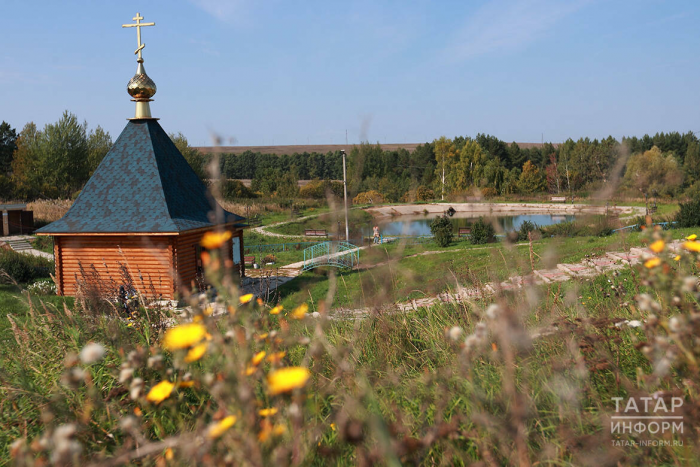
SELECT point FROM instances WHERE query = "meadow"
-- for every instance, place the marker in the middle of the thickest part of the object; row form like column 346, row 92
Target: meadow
column 524, row 377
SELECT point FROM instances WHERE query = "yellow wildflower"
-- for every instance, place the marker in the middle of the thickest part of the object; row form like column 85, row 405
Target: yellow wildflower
column 333, row 426
column 183, row 336
column 692, row 246
column 278, row 430
column 185, row 384
column 276, row 357
column 691, row 238
column 160, row 392
column 212, row 240
column 219, row 428
column 300, row 311
column 208, row 311
column 245, row 298
column 257, row 358
column 287, row 379
column 276, row 310
column 249, row 370
column 169, row 454
column 262, row 336
column 657, row 246
column 260, row 301
column 267, row 412
column 196, row 352
column 652, row 263
column 677, row 258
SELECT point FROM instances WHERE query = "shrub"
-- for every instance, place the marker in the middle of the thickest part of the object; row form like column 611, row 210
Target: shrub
column 525, row 228
column 43, row 244
column 489, row 192
column 23, row 267
column 268, row 259
column 441, row 228
column 424, row 193
column 689, row 214
column 693, row 191
column 368, row 197
column 233, row 189
column 482, row 232
column 317, row 189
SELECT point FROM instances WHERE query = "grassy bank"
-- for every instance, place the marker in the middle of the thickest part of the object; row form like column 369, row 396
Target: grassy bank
column 520, row 379
column 406, row 272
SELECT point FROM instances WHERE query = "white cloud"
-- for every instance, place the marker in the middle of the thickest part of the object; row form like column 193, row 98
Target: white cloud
column 506, row 25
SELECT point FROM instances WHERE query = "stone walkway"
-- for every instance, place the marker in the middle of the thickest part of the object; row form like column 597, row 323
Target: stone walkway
column 20, row 243
column 587, row 268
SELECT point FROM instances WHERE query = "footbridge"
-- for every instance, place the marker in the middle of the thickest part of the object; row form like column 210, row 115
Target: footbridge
column 337, row 254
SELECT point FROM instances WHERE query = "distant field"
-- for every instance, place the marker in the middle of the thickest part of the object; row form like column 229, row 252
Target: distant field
column 318, row 148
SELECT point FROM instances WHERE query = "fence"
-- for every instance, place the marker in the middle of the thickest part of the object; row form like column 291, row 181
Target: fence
column 664, row 225
column 276, row 247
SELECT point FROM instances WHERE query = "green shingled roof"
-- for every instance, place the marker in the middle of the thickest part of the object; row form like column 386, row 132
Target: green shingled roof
column 142, row 185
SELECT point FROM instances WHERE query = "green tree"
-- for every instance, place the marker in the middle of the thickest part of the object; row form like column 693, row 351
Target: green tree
column 195, row 158
column 63, row 166
column 445, row 156
column 691, row 165
column 99, row 143
column 287, row 187
column 8, row 145
column 653, row 171
column 441, row 228
column 25, row 161
column 531, row 179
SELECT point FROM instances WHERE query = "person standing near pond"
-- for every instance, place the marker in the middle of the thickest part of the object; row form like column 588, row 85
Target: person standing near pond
column 376, row 233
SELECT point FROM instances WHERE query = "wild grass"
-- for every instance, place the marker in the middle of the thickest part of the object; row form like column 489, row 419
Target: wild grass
column 48, row 210
column 521, row 378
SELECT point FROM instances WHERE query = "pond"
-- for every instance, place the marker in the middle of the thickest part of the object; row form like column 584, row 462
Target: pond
column 420, row 224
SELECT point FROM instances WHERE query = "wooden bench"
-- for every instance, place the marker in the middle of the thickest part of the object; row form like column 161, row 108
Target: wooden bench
column 315, row 233
column 558, row 199
column 254, row 221
column 249, row 260
column 464, row 232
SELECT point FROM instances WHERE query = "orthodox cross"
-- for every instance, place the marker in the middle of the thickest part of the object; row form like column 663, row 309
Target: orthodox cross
column 138, row 27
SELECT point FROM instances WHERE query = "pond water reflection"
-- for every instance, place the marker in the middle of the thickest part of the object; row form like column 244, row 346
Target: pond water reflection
column 420, row 224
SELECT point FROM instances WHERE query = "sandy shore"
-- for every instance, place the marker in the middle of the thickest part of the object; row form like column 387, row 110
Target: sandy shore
column 502, row 208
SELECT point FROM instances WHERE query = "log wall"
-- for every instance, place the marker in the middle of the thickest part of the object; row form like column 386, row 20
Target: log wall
column 157, row 263
column 148, row 259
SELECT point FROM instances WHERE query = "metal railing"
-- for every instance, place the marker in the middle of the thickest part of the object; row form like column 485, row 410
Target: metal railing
column 276, row 247
column 338, row 254
column 665, row 225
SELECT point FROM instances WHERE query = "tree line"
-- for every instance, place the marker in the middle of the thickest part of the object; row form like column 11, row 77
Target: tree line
column 57, row 160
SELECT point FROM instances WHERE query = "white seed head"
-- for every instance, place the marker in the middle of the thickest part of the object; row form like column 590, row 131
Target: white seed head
column 493, row 311
column 92, row 353
column 674, row 324
column 455, row 333
column 125, row 375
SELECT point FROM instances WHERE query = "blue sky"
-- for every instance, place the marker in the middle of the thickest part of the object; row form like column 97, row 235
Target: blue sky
column 293, row 72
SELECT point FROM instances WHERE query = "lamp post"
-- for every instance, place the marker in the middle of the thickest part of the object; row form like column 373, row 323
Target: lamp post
column 345, row 197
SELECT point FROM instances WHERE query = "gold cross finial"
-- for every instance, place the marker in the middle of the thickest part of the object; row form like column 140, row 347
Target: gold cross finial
column 138, row 27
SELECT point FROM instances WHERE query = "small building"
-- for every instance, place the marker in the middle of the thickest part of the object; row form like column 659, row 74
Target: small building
column 16, row 220
column 143, row 212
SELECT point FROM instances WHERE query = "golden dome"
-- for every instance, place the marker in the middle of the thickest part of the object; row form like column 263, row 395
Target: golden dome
column 141, row 86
